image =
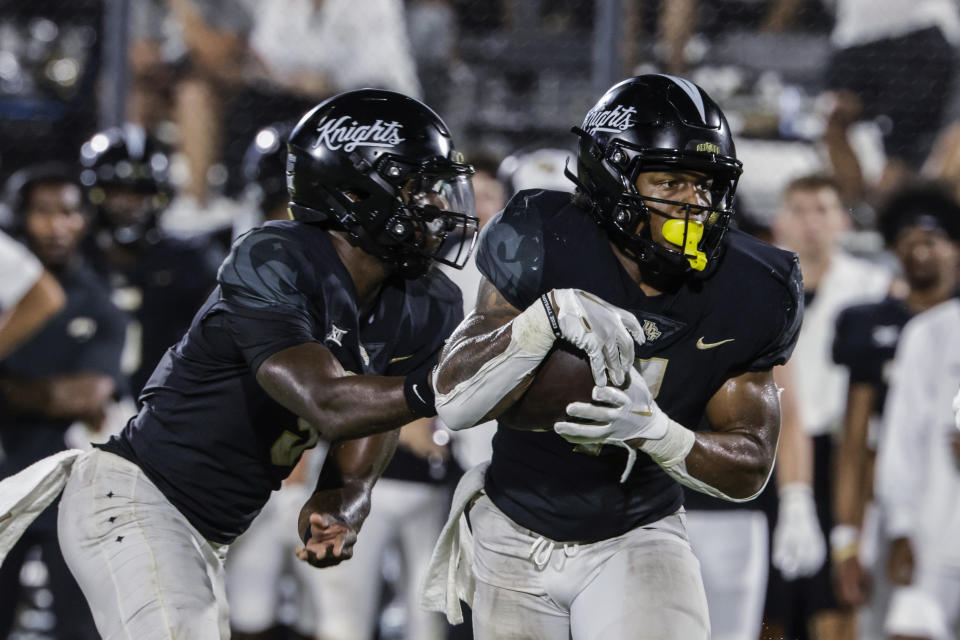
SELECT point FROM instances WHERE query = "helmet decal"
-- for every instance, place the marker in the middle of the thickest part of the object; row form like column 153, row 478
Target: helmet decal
column 609, row 120
column 691, row 90
column 348, row 134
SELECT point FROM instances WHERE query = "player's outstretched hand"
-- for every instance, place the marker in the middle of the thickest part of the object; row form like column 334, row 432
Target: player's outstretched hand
column 331, row 541
column 329, row 523
column 615, row 417
column 605, row 332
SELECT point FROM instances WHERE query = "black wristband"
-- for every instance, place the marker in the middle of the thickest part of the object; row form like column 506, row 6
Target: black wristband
column 551, row 315
column 419, row 392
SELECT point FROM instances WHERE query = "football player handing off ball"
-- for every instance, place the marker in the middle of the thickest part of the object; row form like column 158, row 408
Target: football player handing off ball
column 325, row 326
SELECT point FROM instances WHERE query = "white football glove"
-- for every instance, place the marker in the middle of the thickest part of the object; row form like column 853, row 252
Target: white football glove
column 605, row 332
column 619, row 415
column 956, row 409
column 799, row 549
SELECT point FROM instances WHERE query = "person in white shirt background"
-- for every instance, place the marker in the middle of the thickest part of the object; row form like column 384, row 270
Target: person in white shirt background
column 812, row 221
column 29, row 296
column 918, row 477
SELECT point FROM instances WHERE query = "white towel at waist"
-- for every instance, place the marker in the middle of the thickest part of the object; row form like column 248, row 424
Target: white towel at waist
column 449, row 577
column 25, row 495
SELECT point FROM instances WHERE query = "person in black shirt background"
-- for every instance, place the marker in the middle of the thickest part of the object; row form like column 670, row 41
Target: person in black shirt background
column 159, row 280
column 68, row 372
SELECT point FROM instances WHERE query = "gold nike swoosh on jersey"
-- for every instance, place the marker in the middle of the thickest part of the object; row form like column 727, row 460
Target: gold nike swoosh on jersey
column 710, row 345
column 399, row 358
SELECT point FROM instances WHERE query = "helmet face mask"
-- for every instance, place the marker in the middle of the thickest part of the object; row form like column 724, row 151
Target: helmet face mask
column 658, row 123
column 381, row 167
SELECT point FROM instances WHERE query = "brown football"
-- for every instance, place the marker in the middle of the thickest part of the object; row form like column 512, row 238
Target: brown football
column 562, row 378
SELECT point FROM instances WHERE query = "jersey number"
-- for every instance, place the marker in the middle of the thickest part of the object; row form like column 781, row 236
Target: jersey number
column 288, row 448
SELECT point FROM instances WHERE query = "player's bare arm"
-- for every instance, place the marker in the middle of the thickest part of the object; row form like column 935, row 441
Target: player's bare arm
column 75, row 396
column 852, row 489
column 331, row 519
column 737, row 456
column 490, row 357
column 309, row 381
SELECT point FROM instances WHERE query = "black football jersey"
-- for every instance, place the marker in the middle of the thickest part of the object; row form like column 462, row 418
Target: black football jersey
column 207, row 434
column 744, row 316
column 866, row 340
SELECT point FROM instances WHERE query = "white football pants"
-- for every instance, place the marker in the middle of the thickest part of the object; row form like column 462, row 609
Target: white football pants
column 146, row 572
column 733, row 549
column 643, row 585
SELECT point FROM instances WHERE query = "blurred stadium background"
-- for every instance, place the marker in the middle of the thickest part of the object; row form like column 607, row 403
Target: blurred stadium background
column 505, row 74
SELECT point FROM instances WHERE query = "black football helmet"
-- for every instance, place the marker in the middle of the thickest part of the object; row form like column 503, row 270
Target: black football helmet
column 382, row 167
column 657, row 123
column 126, row 158
column 264, row 167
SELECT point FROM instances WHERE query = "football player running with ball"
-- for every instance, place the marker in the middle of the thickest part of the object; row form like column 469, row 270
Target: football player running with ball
column 578, row 531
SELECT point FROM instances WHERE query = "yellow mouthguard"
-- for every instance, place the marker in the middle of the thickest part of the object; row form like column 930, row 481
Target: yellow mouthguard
column 673, row 231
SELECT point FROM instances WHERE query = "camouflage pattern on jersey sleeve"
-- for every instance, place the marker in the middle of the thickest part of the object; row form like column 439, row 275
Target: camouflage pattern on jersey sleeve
column 265, row 272
column 778, row 351
column 510, row 253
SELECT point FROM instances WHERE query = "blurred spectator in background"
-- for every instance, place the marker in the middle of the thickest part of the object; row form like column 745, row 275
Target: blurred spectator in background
column 432, row 25
column 811, row 222
column 69, row 371
column 29, row 295
column 333, row 45
column 264, row 175
column 677, row 23
column 920, row 227
column 538, row 167
column 918, row 478
column 195, row 50
column 50, row 59
column 893, row 62
column 159, row 280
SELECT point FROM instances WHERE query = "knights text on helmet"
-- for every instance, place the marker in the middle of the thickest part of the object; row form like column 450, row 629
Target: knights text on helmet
column 346, row 133
column 610, row 120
